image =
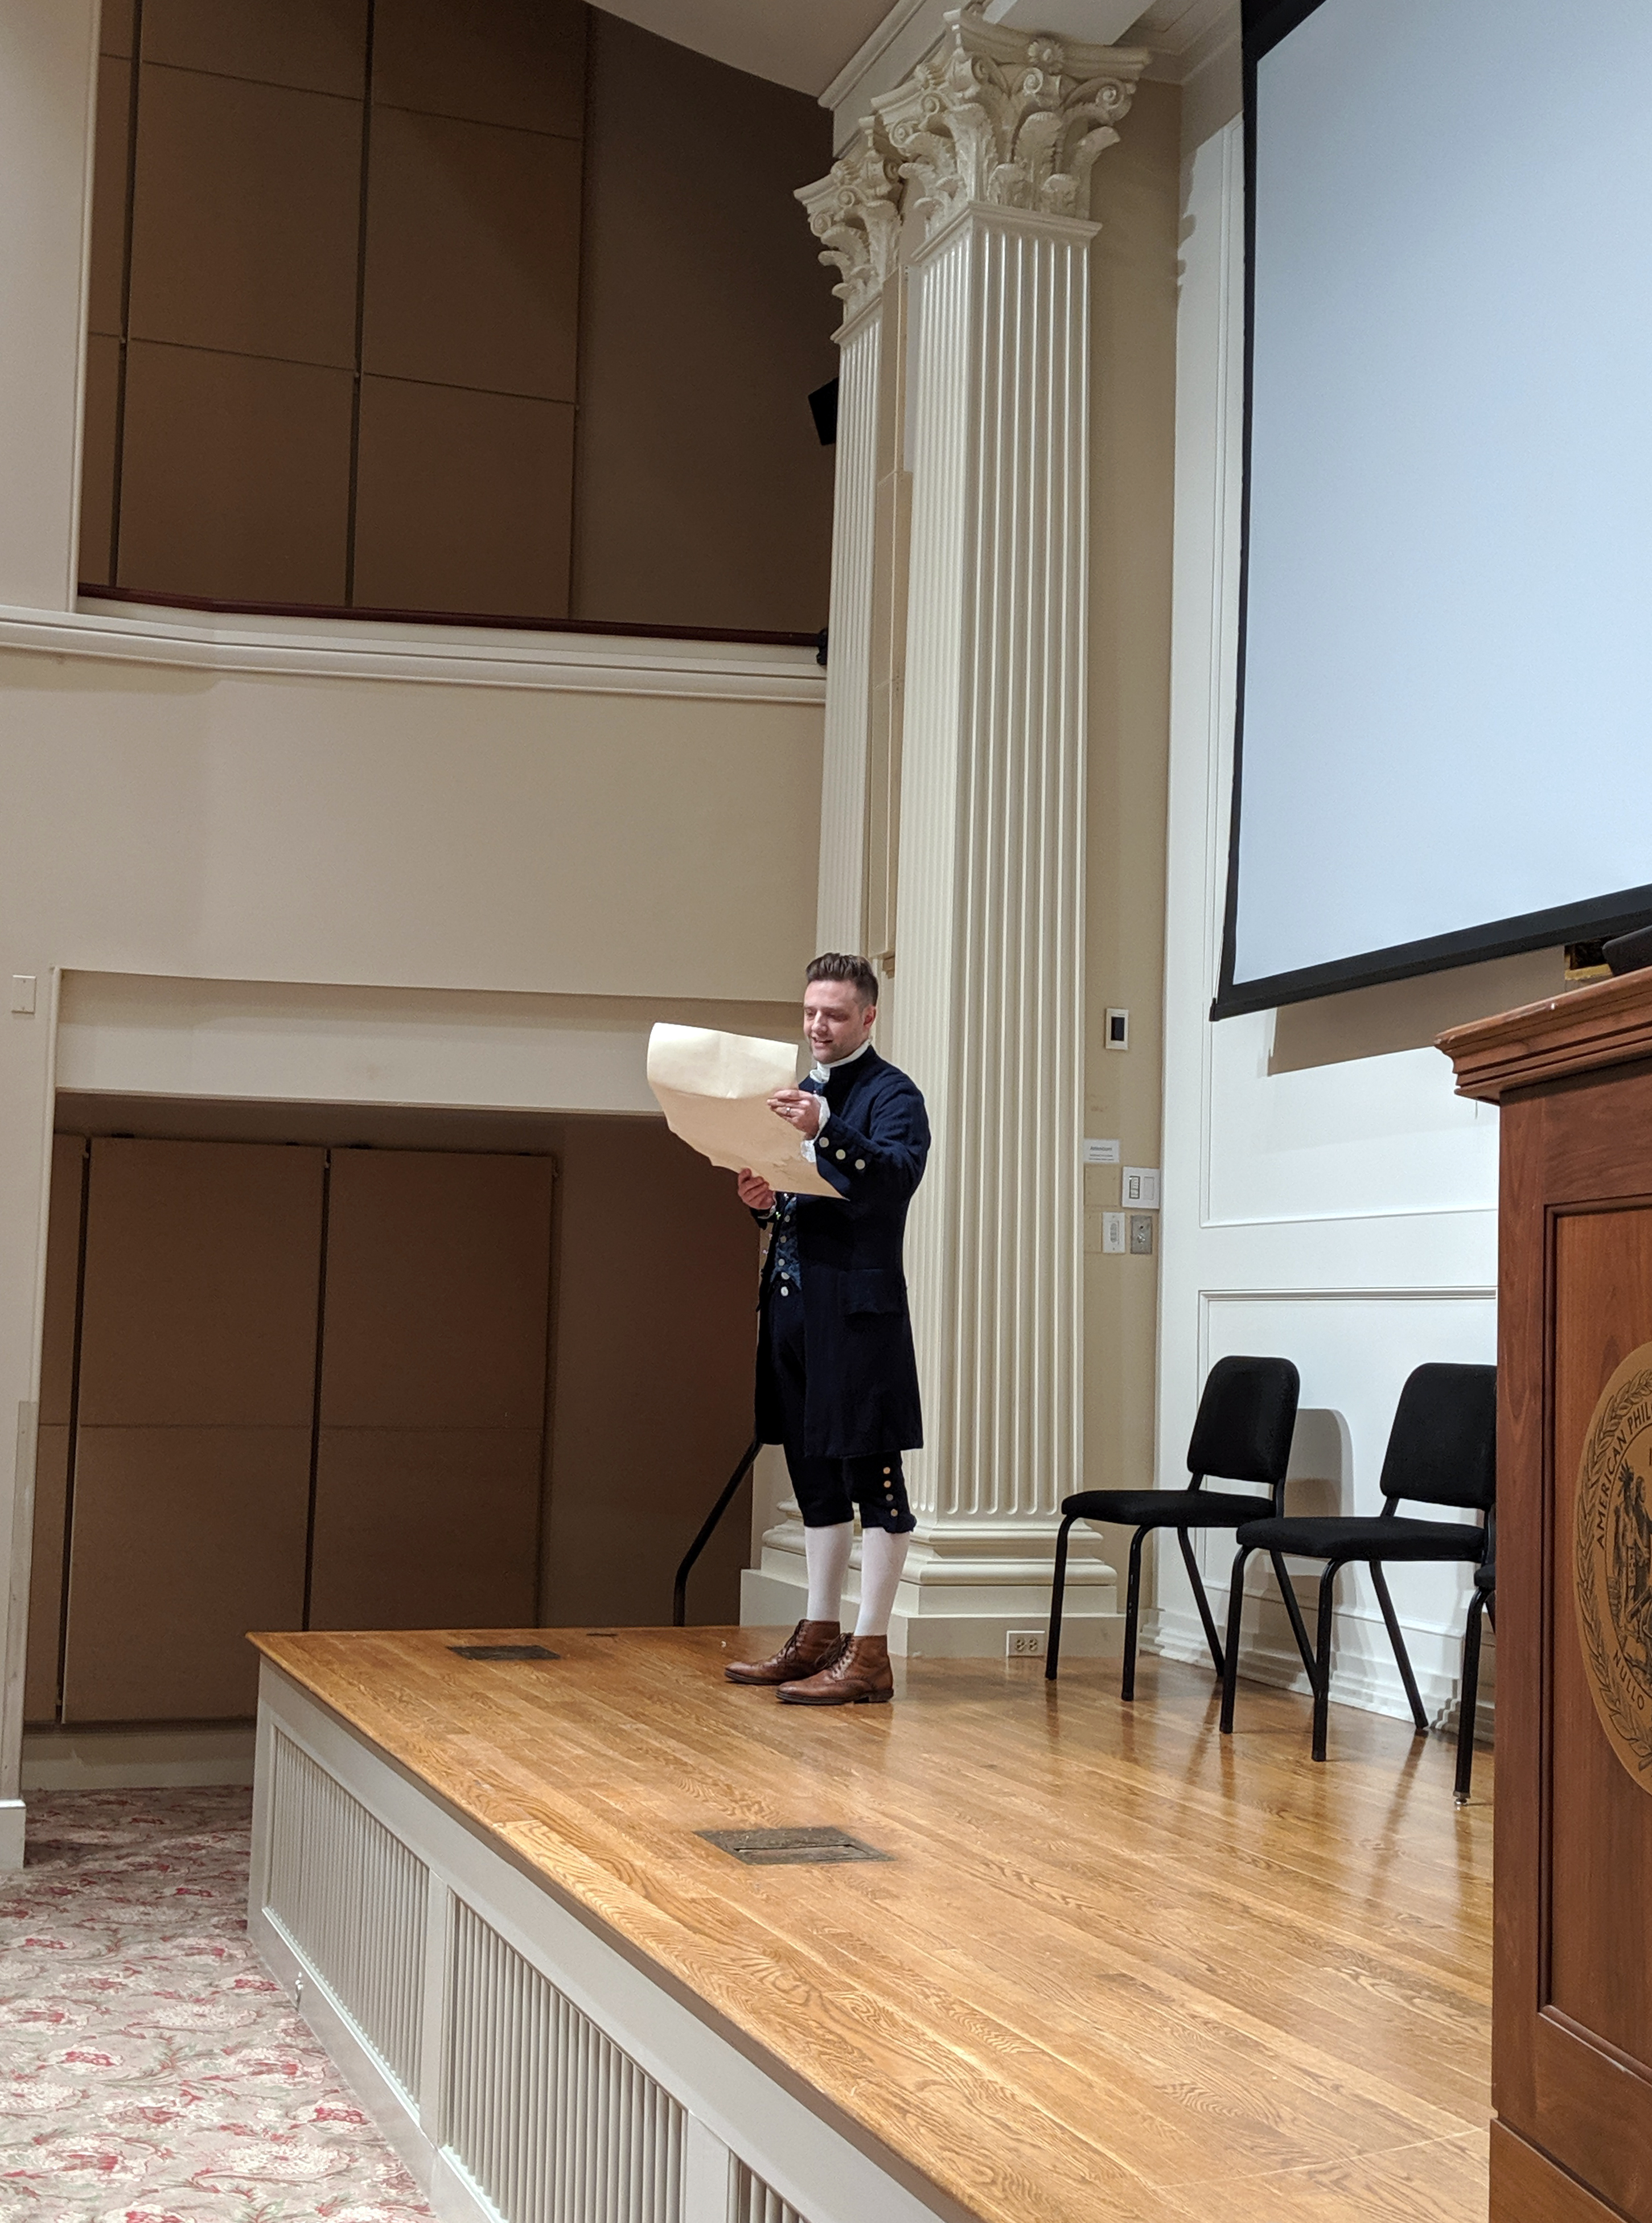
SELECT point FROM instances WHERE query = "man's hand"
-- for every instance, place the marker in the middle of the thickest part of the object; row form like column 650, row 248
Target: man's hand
column 801, row 1108
column 754, row 1190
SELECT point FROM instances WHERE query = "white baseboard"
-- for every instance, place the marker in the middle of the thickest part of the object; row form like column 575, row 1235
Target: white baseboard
column 1363, row 1672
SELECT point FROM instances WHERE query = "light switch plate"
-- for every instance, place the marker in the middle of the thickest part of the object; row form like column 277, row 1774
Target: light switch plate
column 1139, row 1192
column 1113, row 1231
column 1098, row 1153
column 1141, row 1234
column 23, row 993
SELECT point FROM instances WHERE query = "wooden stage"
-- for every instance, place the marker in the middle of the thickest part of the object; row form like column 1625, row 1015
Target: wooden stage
column 1114, row 1966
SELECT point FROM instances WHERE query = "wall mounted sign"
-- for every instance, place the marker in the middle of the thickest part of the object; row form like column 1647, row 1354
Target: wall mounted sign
column 1612, row 1561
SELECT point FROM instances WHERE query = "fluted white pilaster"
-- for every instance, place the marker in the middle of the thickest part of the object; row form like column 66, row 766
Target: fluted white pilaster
column 991, row 856
column 842, row 901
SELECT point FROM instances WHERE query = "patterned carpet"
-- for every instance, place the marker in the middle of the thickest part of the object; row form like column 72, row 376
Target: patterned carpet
column 150, row 2071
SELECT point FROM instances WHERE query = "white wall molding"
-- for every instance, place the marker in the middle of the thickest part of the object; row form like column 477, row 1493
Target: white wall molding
column 452, row 655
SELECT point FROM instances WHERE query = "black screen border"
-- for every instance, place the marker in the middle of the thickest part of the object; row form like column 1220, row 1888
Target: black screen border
column 1266, row 24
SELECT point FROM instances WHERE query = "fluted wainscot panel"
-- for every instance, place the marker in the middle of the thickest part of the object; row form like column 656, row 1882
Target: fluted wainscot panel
column 351, row 1898
column 751, row 2200
column 543, row 2113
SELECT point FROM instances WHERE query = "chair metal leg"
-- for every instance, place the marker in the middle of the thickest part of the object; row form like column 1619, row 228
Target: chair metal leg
column 1052, row 1640
column 1402, row 1656
column 1469, row 1699
column 1205, row 1615
column 1298, row 1625
column 1230, row 1665
column 1132, row 1608
column 1322, row 1676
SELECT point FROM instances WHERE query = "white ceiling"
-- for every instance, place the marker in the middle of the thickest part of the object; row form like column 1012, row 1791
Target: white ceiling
column 810, row 44
column 801, row 43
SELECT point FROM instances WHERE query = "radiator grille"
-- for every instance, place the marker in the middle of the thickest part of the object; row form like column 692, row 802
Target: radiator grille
column 351, row 1899
column 548, row 2118
column 751, row 2200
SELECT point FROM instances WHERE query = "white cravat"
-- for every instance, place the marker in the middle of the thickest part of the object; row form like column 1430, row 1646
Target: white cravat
column 820, row 1073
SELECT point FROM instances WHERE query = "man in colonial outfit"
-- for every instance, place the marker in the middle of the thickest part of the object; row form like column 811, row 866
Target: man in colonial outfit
column 836, row 1377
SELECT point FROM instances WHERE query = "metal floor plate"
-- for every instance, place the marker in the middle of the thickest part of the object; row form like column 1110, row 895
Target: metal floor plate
column 503, row 1652
column 776, row 1849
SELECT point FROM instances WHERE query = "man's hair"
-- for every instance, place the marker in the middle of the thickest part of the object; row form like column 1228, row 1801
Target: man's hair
column 834, row 965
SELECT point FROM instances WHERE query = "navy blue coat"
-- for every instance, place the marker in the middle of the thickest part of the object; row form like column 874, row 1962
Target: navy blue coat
column 861, row 1397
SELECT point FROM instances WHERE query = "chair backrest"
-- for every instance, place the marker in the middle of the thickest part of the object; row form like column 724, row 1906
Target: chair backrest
column 1243, row 1427
column 1442, row 1448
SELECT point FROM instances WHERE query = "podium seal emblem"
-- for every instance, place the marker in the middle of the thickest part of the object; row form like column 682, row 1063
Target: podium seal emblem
column 1612, row 1562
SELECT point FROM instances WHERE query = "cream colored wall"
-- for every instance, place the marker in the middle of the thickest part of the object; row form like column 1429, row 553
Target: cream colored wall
column 376, row 835
column 1134, row 196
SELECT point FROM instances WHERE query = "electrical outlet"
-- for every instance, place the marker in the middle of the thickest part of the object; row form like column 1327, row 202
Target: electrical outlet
column 1141, row 1234
column 1113, row 1231
column 1024, row 1644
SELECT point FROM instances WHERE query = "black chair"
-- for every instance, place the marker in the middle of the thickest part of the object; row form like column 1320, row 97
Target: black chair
column 1441, row 1451
column 1241, row 1433
column 1484, row 1601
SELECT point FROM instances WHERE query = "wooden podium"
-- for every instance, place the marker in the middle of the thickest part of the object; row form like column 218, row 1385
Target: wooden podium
column 1572, row 1986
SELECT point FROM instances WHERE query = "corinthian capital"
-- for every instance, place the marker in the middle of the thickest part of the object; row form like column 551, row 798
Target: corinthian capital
column 855, row 211
column 997, row 116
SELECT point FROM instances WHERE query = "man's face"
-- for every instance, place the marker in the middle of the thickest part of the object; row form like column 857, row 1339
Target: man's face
column 835, row 1020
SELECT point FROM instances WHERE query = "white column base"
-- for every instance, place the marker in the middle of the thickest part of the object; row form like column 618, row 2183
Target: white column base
column 962, row 1593
column 12, row 1835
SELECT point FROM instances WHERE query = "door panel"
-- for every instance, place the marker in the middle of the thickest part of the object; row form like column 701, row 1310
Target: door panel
column 438, row 1272
column 184, row 1539
column 426, row 1528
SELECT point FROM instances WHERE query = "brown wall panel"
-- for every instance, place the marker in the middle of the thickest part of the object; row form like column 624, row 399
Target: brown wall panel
column 62, row 1279
column 184, row 1539
column 203, row 1265
column 235, row 478
column 46, row 1574
column 472, row 268
column 96, row 555
column 520, row 62
column 426, row 1528
column 705, row 497
column 115, row 31
column 52, row 1450
column 316, row 46
column 106, row 274
column 464, row 500
column 246, row 217
column 652, row 1400
column 438, row 1285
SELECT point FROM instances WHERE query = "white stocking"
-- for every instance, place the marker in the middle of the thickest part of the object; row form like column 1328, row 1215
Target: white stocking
column 826, row 1554
column 882, row 1558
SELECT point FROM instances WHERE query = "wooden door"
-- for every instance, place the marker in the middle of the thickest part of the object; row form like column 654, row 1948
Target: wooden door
column 197, row 1388
column 429, row 1458
column 46, row 1562
column 1572, row 1996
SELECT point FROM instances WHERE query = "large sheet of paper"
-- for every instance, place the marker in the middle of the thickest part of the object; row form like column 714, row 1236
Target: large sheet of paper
column 714, row 1091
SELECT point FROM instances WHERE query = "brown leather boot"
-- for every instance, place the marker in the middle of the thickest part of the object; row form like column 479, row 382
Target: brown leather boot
column 810, row 1646
column 859, row 1675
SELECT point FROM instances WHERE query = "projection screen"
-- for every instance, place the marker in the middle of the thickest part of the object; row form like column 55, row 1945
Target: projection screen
column 1444, row 748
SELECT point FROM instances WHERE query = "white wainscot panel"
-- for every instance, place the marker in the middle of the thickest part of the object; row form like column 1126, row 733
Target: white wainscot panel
column 1353, row 1353
column 1369, row 1136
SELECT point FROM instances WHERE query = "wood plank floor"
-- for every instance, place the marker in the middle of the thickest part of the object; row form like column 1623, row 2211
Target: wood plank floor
column 1118, row 1968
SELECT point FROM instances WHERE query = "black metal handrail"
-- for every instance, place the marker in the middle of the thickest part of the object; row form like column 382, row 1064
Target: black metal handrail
column 680, row 1591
